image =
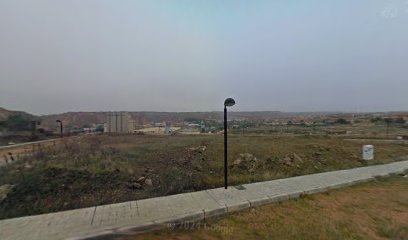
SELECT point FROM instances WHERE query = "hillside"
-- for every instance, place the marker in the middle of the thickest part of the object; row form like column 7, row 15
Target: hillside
column 5, row 113
column 81, row 119
column 74, row 119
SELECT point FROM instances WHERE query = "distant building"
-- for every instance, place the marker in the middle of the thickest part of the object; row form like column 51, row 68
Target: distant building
column 193, row 125
column 159, row 124
column 132, row 126
column 117, row 122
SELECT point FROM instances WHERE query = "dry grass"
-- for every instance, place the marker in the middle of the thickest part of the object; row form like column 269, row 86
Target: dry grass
column 377, row 210
column 356, row 130
column 316, row 154
column 99, row 169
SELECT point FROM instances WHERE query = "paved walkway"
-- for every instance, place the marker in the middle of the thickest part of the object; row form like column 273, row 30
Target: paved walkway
column 115, row 220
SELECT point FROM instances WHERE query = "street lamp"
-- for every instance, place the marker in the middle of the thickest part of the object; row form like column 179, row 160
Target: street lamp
column 229, row 102
column 388, row 121
column 61, row 128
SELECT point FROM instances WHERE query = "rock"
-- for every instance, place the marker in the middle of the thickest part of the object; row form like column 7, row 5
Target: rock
column 148, row 183
column 246, row 161
column 317, row 154
column 5, row 190
column 199, row 149
column 247, row 157
column 28, row 166
column 237, row 162
column 297, row 158
column 134, row 185
column 141, row 179
column 287, row 161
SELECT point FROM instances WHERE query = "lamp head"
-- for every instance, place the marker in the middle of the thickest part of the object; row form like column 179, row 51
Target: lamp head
column 229, row 102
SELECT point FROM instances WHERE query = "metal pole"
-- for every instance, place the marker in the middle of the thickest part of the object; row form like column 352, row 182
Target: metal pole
column 225, row 149
column 116, row 122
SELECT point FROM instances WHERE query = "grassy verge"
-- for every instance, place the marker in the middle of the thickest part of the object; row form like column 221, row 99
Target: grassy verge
column 376, row 210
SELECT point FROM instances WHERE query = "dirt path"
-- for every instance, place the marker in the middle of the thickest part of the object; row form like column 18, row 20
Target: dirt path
column 9, row 154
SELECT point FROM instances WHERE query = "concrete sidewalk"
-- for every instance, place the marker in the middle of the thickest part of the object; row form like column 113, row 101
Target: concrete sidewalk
column 115, row 220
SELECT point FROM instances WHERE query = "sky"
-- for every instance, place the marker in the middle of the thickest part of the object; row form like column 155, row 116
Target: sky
column 186, row 55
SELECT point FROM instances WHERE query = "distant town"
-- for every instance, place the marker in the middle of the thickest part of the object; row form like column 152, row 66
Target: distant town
column 17, row 126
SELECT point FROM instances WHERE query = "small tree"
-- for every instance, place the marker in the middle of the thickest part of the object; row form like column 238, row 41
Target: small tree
column 342, row 121
column 18, row 123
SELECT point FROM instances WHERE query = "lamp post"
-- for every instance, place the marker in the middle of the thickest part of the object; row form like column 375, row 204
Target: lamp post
column 61, row 128
column 229, row 102
column 388, row 121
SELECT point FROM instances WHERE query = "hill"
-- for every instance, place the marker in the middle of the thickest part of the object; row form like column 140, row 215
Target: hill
column 5, row 113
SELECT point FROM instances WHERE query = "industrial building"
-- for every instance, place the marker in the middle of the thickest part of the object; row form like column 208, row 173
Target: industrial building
column 117, row 122
column 132, row 126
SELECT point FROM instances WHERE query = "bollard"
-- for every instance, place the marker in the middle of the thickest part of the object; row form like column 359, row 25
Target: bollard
column 368, row 152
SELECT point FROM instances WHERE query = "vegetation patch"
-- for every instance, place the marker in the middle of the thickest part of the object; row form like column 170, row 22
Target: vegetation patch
column 94, row 170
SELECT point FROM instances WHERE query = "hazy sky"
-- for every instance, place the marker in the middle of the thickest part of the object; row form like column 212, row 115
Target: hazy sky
column 186, row 55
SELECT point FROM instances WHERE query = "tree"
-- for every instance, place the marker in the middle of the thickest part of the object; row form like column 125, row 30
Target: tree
column 18, row 123
column 400, row 120
column 99, row 128
column 342, row 121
